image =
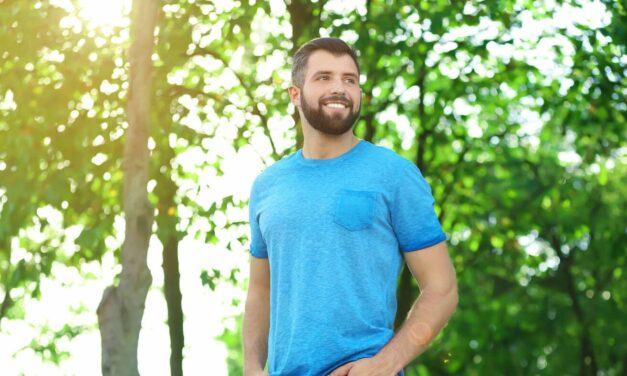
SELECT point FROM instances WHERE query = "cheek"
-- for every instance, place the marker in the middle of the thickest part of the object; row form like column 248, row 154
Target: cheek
column 356, row 98
column 312, row 99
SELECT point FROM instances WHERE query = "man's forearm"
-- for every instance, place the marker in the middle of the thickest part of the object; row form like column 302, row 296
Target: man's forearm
column 255, row 332
column 428, row 315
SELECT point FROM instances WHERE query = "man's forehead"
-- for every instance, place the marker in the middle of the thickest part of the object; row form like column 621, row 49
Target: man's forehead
column 324, row 61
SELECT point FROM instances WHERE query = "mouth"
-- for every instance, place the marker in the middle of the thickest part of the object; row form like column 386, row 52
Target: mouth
column 336, row 104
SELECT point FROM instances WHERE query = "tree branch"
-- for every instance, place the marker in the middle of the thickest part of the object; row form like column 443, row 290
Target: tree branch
column 247, row 89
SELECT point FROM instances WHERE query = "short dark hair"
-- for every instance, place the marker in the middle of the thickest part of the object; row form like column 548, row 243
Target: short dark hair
column 335, row 46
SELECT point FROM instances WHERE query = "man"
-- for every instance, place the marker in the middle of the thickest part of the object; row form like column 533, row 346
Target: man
column 330, row 227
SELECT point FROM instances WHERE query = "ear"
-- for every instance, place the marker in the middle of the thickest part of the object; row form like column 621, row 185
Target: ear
column 294, row 95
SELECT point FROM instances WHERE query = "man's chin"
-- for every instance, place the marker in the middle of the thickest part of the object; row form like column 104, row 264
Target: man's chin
column 338, row 129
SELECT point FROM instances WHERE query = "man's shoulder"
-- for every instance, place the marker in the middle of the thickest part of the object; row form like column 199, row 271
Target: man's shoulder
column 388, row 158
column 275, row 170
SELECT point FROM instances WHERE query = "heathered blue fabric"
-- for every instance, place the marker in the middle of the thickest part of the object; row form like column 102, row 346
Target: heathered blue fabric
column 334, row 231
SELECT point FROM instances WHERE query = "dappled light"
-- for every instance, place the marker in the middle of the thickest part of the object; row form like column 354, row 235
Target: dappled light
column 125, row 133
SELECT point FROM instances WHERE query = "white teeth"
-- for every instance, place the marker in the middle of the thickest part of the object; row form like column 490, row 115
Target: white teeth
column 336, row 105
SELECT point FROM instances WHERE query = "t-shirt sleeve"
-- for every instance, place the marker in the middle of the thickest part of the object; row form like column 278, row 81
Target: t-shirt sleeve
column 413, row 218
column 257, row 244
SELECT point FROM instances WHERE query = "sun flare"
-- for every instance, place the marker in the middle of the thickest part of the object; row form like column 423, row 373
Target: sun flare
column 104, row 12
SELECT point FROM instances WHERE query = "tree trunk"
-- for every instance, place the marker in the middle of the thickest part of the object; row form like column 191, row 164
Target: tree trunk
column 168, row 235
column 172, row 289
column 167, row 220
column 122, row 307
column 7, row 302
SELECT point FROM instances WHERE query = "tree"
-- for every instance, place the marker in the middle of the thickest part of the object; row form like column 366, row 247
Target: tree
column 122, row 307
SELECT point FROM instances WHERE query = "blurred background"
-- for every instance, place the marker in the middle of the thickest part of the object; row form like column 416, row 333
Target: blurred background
column 514, row 110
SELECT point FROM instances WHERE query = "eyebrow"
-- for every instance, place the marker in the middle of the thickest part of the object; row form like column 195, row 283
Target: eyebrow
column 350, row 74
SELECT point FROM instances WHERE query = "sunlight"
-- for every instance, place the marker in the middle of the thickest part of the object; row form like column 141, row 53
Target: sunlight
column 104, row 12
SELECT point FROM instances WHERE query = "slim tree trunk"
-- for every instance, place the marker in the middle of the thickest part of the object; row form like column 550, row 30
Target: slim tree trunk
column 167, row 221
column 172, row 289
column 7, row 302
column 122, row 307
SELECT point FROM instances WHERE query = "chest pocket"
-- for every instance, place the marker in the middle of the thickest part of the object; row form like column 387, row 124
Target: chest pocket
column 354, row 210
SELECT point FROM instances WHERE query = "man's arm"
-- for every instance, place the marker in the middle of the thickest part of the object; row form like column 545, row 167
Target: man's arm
column 257, row 317
column 434, row 272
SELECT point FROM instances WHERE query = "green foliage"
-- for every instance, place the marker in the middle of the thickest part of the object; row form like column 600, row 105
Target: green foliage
column 523, row 145
column 47, row 344
column 233, row 341
column 524, row 217
column 59, row 138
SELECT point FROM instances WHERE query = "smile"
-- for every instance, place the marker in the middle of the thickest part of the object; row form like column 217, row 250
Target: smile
column 336, row 105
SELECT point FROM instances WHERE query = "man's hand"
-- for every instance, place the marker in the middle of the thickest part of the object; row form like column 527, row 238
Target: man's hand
column 363, row 367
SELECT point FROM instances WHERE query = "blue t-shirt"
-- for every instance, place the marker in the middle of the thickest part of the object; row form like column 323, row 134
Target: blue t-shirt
column 334, row 231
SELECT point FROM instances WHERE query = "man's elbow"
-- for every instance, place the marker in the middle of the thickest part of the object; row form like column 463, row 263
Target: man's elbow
column 444, row 295
column 450, row 296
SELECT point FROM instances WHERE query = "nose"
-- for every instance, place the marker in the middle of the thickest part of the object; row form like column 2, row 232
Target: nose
column 337, row 87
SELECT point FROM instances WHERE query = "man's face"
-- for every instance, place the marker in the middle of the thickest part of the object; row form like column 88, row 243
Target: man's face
column 330, row 98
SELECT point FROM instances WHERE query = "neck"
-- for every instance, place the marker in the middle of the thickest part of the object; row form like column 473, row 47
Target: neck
column 319, row 145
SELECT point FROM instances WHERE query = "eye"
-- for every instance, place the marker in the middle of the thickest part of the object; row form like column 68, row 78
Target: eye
column 350, row 81
column 323, row 77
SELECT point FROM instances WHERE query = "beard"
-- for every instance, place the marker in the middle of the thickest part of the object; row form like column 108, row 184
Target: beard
column 335, row 124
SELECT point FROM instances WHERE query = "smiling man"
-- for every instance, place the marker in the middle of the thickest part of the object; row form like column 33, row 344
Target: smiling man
column 330, row 228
